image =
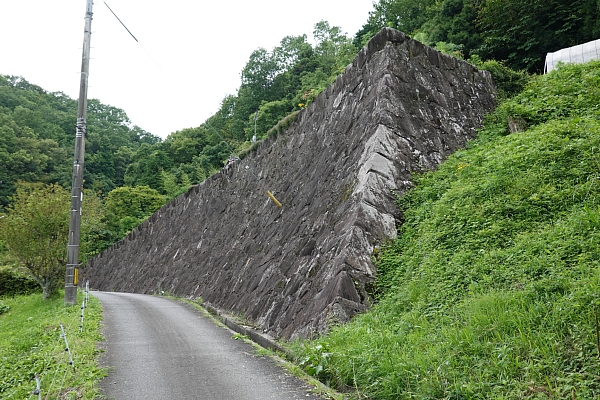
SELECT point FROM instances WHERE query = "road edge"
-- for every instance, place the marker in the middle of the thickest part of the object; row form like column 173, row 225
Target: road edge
column 264, row 341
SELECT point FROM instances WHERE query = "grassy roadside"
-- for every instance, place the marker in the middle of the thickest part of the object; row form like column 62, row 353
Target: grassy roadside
column 492, row 289
column 31, row 344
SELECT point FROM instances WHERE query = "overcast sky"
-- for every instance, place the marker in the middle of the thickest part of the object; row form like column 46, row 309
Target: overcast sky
column 189, row 55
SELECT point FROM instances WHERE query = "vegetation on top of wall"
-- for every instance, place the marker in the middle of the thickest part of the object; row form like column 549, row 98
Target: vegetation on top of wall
column 508, row 81
column 516, row 32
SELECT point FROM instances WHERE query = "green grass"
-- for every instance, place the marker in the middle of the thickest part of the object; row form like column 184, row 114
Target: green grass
column 492, row 289
column 31, row 344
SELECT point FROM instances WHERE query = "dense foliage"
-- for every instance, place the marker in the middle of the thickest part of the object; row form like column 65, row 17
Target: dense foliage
column 13, row 283
column 37, row 131
column 127, row 207
column 519, row 32
column 492, row 288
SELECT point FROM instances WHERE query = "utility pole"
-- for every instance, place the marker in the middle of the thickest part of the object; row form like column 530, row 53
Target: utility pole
column 77, row 186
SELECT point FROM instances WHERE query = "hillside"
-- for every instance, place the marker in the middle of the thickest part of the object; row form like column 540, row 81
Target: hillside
column 37, row 135
column 491, row 288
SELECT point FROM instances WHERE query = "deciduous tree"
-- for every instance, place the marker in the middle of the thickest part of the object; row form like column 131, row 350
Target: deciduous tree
column 35, row 228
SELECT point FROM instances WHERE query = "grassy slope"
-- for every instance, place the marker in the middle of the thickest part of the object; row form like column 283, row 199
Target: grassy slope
column 492, row 290
column 31, row 343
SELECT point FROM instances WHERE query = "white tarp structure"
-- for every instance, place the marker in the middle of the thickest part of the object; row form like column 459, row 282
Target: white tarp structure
column 577, row 54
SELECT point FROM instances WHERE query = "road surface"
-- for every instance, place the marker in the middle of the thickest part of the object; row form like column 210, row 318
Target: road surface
column 163, row 349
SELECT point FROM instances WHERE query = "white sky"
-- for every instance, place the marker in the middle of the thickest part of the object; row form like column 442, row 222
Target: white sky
column 189, row 56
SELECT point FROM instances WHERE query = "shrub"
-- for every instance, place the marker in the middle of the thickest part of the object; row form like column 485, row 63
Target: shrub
column 15, row 284
column 508, row 81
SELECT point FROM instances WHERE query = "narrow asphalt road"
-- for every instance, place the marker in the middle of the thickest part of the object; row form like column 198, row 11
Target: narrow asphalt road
column 162, row 349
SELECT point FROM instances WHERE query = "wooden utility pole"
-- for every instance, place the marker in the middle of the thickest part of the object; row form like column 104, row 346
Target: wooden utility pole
column 77, row 186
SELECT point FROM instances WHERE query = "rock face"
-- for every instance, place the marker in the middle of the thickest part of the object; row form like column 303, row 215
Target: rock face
column 399, row 108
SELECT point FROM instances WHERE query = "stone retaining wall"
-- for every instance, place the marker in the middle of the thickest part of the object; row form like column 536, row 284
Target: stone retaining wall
column 399, row 108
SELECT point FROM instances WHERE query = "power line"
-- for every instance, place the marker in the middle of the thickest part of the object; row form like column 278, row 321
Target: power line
column 113, row 13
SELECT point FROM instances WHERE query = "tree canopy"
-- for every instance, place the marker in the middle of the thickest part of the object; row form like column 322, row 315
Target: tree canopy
column 37, row 131
column 519, row 32
column 127, row 207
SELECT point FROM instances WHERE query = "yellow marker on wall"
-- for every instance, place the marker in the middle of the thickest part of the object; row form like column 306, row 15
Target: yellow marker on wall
column 273, row 198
